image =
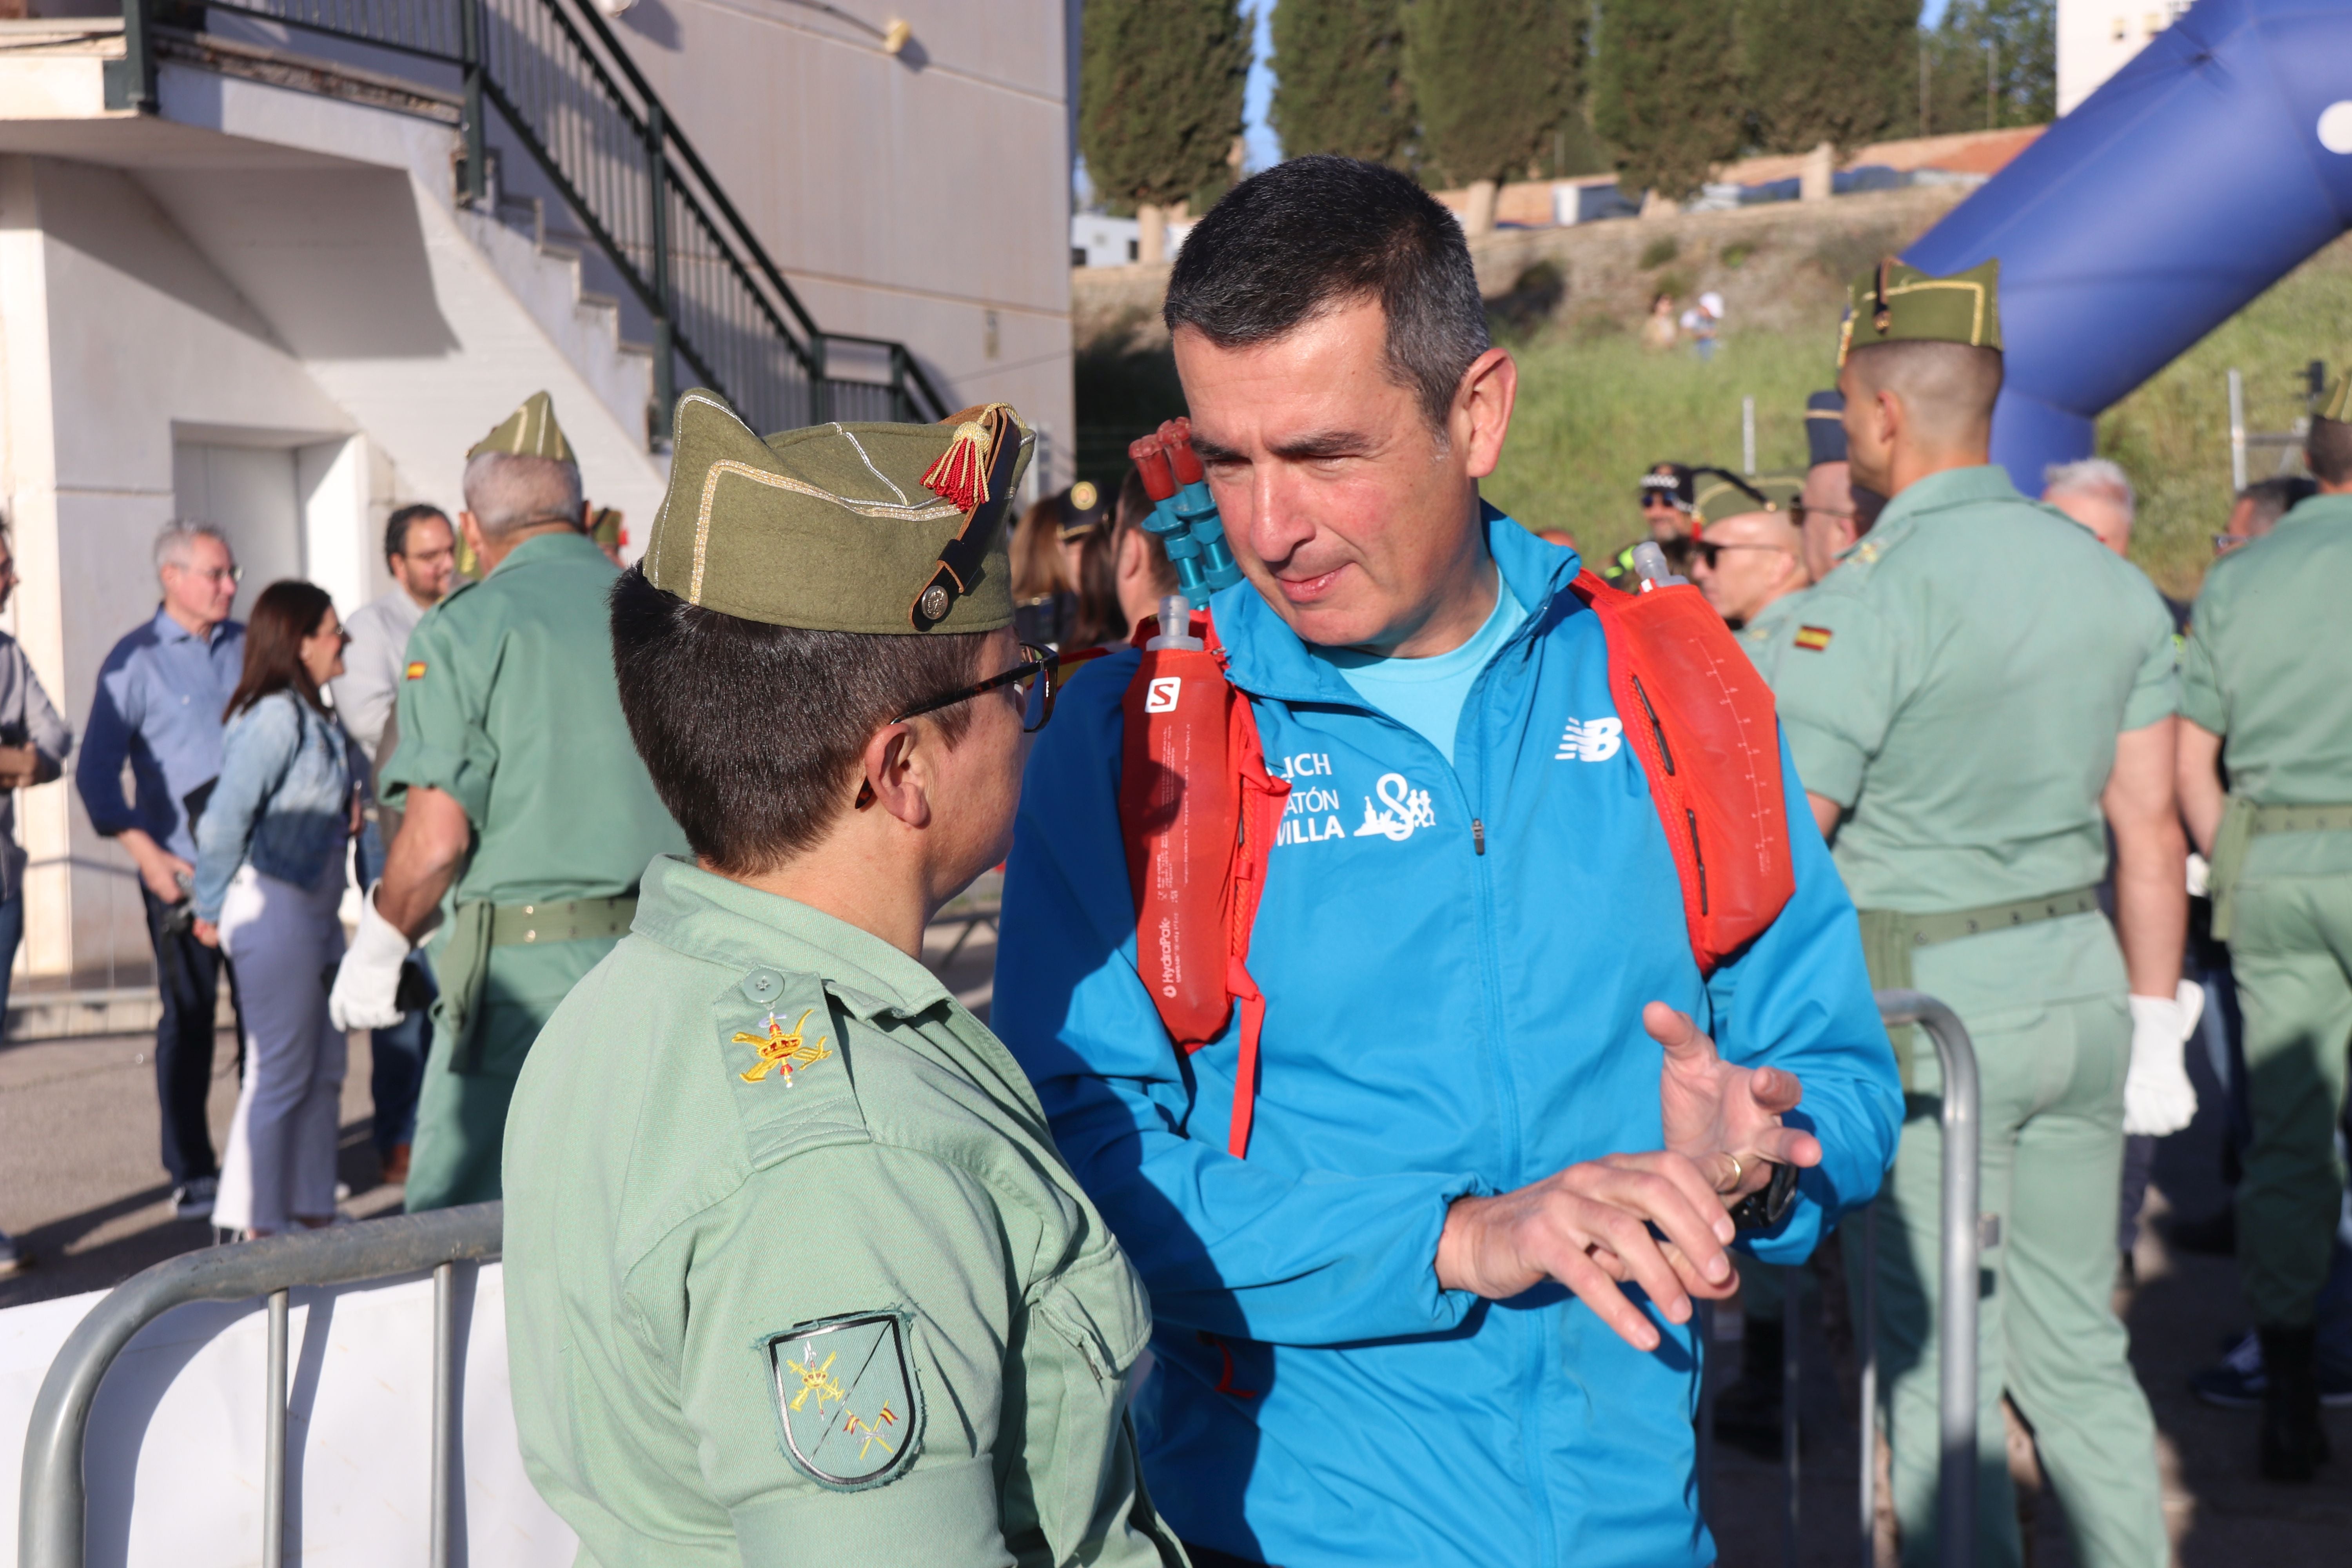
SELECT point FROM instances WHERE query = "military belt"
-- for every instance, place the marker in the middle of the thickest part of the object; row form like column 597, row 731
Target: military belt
column 578, row 921
column 2242, row 822
column 1889, row 937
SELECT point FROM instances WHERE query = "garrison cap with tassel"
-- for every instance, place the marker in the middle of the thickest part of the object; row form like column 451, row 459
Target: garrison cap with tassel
column 843, row 528
column 2339, row 404
column 1896, row 303
column 1720, row 493
column 529, row 431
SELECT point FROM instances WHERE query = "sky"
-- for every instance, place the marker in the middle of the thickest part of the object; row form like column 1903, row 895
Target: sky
column 1265, row 148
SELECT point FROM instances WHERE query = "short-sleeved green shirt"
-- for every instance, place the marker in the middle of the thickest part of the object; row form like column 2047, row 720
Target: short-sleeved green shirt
column 834, row 1300
column 2268, row 666
column 508, row 705
column 1957, row 685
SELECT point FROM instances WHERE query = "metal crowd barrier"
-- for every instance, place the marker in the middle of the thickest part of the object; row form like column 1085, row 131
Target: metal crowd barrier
column 1956, row 1501
column 52, row 1518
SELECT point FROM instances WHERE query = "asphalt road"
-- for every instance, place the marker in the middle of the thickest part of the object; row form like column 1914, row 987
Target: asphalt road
column 79, row 1183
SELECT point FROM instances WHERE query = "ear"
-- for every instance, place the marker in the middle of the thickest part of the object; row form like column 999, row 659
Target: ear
column 1481, row 416
column 468, row 525
column 1130, row 562
column 895, row 772
column 1894, row 419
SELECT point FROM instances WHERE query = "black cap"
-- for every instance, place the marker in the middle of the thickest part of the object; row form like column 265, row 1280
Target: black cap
column 1825, row 428
column 1673, row 482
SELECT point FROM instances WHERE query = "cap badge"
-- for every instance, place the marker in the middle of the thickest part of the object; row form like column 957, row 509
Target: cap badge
column 935, row 602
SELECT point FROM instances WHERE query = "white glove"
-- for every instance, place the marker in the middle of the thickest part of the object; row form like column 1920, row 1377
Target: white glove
column 2158, row 1099
column 368, row 980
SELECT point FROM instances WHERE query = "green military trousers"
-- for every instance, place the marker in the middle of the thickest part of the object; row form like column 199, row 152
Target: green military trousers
column 2291, row 944
column 461, row 1110
column 2052, row 1074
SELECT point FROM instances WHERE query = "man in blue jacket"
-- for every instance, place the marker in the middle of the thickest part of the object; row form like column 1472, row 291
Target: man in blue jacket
column 1441, row 1311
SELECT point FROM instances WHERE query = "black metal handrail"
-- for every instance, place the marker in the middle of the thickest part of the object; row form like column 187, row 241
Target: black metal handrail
column 577, row 103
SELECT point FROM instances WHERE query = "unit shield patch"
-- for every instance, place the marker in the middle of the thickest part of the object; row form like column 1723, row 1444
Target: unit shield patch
column 846, row 1399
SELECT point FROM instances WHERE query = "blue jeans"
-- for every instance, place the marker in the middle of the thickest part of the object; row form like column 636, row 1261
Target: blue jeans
column 12, row 932
column 398, row 1073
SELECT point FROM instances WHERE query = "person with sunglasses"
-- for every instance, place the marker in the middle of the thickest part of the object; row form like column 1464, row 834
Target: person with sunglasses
column 1751, row 565
column 794, row 1271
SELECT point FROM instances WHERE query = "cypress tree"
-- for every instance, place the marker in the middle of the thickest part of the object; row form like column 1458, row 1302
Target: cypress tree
column 1339, row 85
column 1492, row 78
column 1159, row 95
column 1825, row 70
column 1667, row 91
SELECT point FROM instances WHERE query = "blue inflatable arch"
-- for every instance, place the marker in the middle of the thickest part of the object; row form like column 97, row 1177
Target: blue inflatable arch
column 2201, row 174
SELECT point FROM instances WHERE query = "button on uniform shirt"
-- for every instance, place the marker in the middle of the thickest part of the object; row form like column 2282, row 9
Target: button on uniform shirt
column 1964, row 712
column 364, row 692
column 794, row 1273
column 508, row 705
column 160, row 696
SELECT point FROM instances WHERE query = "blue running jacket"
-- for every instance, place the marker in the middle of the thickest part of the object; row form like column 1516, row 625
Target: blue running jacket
column 1439, row 1023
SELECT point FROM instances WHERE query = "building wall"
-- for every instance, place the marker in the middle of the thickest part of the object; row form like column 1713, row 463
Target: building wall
column 923, row 197
column 138, row 385
column 2097, row 38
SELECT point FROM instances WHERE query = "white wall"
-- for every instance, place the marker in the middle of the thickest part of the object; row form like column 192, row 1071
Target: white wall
column 924, row 197
column 2097, row 38
column 127, row 348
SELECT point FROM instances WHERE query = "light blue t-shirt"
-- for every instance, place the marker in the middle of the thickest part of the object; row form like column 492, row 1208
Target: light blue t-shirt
column 1427, row 694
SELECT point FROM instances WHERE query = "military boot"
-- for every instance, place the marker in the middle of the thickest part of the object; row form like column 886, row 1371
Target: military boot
column 1748, row 1413
column 2294, row 1444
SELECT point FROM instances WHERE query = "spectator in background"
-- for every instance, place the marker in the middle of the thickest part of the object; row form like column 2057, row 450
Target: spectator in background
column 610, row 530
column 270, row 882
column 1669, row 496
column 1083, row 530
column 1832, row 511
column 33, row 745
column 2259, row 507
column 1045, row 599
column 1658, row 331
column 1140, row 569
column 2095, row 493
column 420, row 550
column 1701, row 322
column 1748, row 561
column 160, row 696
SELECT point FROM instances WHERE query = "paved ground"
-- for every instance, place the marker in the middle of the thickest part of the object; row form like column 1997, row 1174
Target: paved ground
column 78, row 1181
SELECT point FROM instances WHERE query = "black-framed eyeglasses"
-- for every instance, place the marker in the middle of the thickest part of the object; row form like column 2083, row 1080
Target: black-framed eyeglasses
column 1038, row 678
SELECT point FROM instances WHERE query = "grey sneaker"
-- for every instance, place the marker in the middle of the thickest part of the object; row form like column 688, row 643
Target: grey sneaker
column 194, row 1199
column 12, row 1257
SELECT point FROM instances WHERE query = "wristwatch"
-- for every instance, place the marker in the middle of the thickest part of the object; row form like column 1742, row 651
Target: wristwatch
column 1768, row 1204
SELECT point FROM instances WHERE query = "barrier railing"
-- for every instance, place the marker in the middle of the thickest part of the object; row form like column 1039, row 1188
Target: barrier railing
column 52, row 1518
column 1956, row 1337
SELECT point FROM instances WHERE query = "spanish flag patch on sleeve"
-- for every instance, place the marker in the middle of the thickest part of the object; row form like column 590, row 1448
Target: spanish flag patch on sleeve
column 1814, row 637
column 416, row 666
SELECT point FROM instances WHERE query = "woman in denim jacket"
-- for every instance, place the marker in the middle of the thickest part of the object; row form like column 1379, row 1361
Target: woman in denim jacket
column 270, row 882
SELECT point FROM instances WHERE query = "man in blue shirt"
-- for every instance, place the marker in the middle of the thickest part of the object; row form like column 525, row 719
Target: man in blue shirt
column 1426, row 1317
column 159, row 703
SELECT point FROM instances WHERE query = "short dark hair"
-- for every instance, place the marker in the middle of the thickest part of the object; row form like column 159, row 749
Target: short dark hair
column 753, row 732
column 2273, row 499
column 1946, row 388
column 1315, row 233
column 2329, row 450
column 397, row 527
column 286, row 612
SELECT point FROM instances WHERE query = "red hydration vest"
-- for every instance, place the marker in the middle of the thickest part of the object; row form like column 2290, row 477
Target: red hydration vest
column 1199, row 810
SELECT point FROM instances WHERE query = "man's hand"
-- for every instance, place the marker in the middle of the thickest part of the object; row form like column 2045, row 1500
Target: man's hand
column 159, row 869
column 1590, row 1228
column 1724, row 1119
column 2158, row 1099
column 367, row 982
column 20, row 766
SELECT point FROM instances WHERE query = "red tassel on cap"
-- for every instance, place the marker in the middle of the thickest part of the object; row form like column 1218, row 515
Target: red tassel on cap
column 960, row 474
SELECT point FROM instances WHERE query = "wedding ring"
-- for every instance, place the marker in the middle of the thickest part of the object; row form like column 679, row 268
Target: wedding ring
column 1739, row 1172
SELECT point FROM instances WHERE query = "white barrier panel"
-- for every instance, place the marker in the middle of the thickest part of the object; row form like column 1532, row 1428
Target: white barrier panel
column 174, row 1461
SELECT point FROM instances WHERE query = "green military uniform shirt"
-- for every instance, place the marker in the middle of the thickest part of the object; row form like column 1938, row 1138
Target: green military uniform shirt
column 508, row 705
column 794, row 1273
column 1765, row 635
column 1957, row 685
column 2268, row 666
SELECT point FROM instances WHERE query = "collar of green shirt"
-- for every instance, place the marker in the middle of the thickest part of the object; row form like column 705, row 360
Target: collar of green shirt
column 2317, row 509
column 703, row 915
column 552, row 545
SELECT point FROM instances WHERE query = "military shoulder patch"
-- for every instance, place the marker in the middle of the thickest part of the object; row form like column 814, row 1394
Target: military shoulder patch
column 416, row 669
column 849, row 1411
column 1813, row 638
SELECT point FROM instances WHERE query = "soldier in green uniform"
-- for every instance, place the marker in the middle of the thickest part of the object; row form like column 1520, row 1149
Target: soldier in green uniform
column 794, row 1272
column 526, row 815
column 2265, row 689
column 1961, row 729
